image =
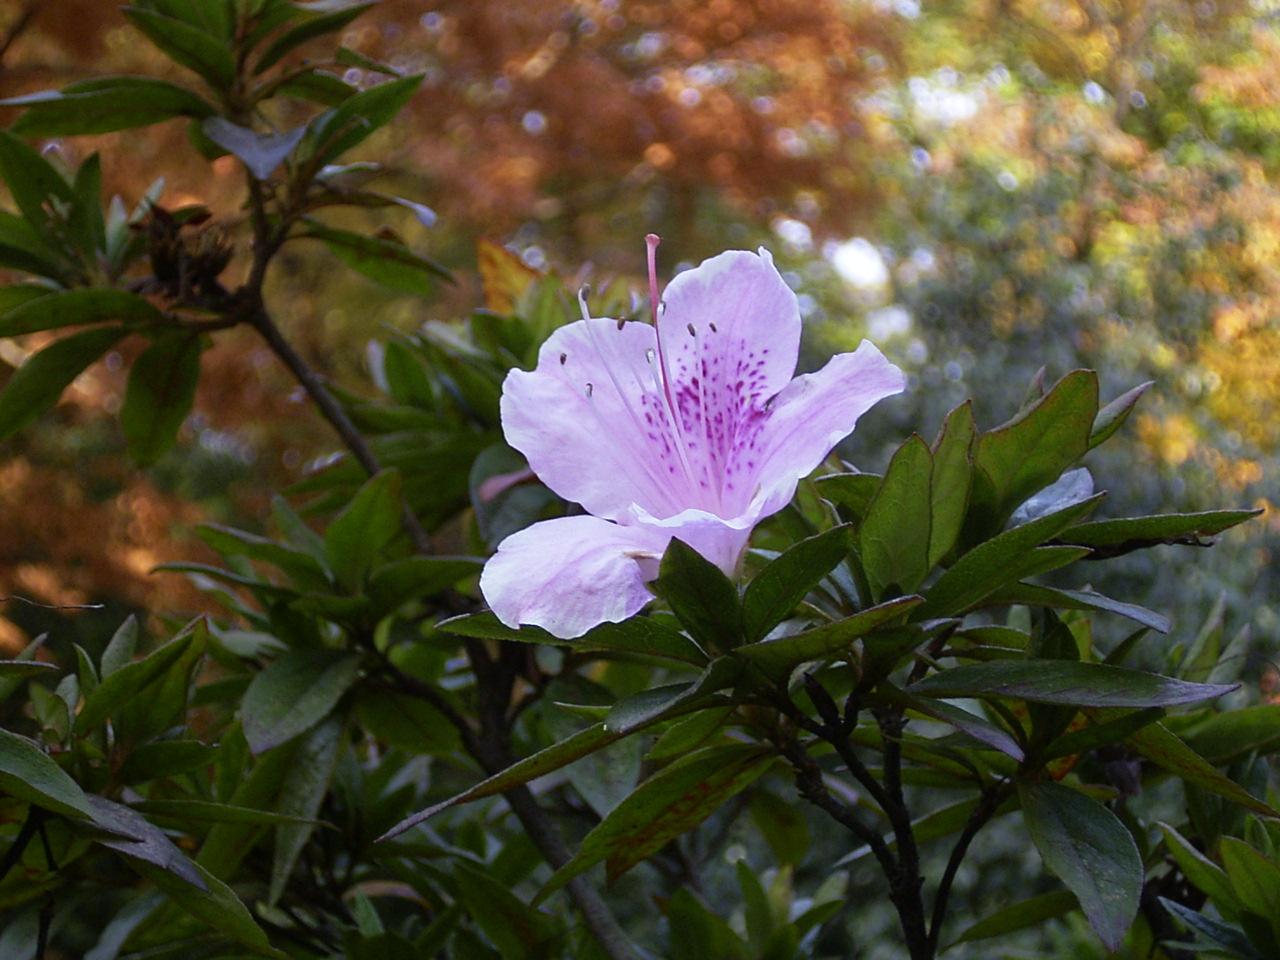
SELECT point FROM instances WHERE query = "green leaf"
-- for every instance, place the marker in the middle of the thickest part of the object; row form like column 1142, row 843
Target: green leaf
column 104, row 105
column 667, row 805
column 303, row 791
column 852, row 492
column 364, row 528
column 387, row 262
column 15, row 669
column 26, row 773
column 121, row 685
column 161, row 390
column 197, row 50
column 294, row 694
column 1111, row 538
column 165, row 758
column 318, row 86
column 774, row 592
column 395, row 583
column 216, row 906
column 1111, row 417
column 777, row 658
column 976, row 727
column 697, row 933
column 1020, row 916
column 516, row 929
column 647, row 706
column 701, row 596
column 305, row 31
column 1032, row 450
column 644, row 636
column 1221, row 934
column 261, row 153
column 38, row 383
column 208, row 811
column 1254, row 879
column 120, row 649
column 359, row 116
column 1066, row 682
column 32, row 180
column 87, row 224
column 893, row 540
column 997, row 562
column 1166, row 750
column 1203, row 873
column 302, row 568
column 949, row 485
column 1089, row 850
column 1227, row 737
column 1037, row 595
column 685, row 734
column 584, row 742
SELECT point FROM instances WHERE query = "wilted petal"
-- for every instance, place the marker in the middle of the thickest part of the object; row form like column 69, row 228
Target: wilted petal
column 730, row 333
column 570, row 574
column 591, row 421
column 809, row 417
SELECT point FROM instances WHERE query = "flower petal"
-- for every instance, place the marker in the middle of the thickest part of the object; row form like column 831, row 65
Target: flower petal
column 571, row 574
column 720, row 540
column 730, row 335
column 809, row 417
column 591, row 422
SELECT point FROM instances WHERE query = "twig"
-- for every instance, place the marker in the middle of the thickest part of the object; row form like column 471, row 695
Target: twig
column 18, row 27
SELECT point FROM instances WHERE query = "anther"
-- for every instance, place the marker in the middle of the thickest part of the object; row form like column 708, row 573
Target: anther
column 621, row 323
column 589, row 389
column 648, row 355
column 563, row 358
column 713, row 328
column 692, row 332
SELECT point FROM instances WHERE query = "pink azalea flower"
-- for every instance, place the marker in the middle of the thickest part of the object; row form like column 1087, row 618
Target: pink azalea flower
column 692, row 428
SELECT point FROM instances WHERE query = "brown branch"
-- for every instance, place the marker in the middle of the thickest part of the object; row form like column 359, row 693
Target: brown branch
column 18, row 27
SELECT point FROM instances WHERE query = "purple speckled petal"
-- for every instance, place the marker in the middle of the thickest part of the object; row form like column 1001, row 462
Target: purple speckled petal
column 810, row 416
column 591, row 420
column 730, row 334
column 570, row 574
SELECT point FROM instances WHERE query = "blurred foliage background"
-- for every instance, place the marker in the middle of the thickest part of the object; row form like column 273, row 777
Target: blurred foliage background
column 981, row 186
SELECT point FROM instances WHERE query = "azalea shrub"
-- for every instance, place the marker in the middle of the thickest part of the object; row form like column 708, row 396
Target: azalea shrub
column 587, row 642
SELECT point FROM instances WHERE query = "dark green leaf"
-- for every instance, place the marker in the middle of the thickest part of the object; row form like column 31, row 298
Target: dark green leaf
column 1166, row 750
column 388, row 262
column 103, row 105
column 1111, row 417
column 950, row 482
column 161, row 390
column 302, row 568
column 1019, row 916
column 777, row 658
column 639, row 635
column 1110, row 538
column 1001, row 560
column 586, row 741
column 688, row 733
column 701, row 596
column 301, row 794
column 1030, row 451
column 364, row 528
column 361, row 115
column 307, row 30
column 26, row 773
column 516, row 929
column 11, row 669
column 665, row 806
column 1215, row 931
column 852, row 492
column 197, row 50
column 395, row 583
column 774, row 592
column 318, row 86
column 120, row 649
column 32, row 180
column 1254, row 878
column 1089, row 850
column 165, row 758
column 894, row 536
column 1203, row 873
column 38, row 383
column 1226, row 737
column 976, row 727
column 1067, row 682
column 208, row 811
column 261, row 153
column 294, row 694
column 1033, row 594
column 119, row 687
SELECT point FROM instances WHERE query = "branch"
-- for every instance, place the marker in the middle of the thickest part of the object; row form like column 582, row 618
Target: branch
column 18, row 27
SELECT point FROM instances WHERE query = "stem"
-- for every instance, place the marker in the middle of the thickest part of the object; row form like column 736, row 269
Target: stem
column 905, row 887
column 15, row 851
column 981, row 816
